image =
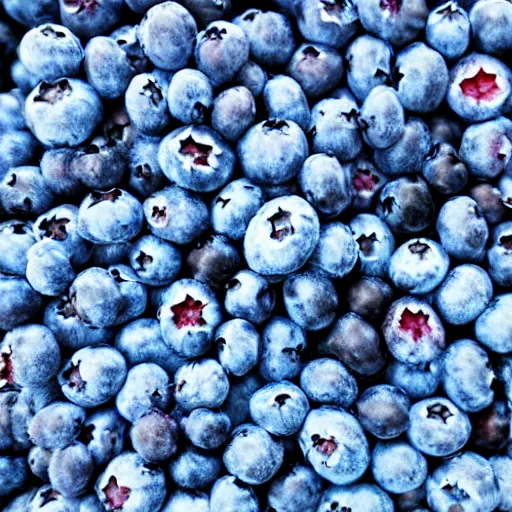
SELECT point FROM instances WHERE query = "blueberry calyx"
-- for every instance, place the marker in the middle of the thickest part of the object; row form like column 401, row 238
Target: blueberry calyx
column 54, row 229
column 415, row 323
column 366, row 243
column 481, row 86
column 116, row 495
column 281, row 225
column 153, row 92
column 365, row 180
column 199, row 152
column 419, row 248
column 53, row 92
column 188, row 313
column 324, row 446
column 439, row 412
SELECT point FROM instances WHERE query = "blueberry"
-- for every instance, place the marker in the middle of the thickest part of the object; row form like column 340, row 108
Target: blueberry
column 479, row 87
column 63, row 113
column 448, row 30
column 413, row 332
column 30, row 356
column 221, row 51
column 311, row 300
column 454, row 484
column 206, row 11
column 489, row 201
column 462, row 229
column 419, row 266
column 183, row 501
column 317, row 68
column 16, row 239
column 56, row 426
column 361, row 497
column 383, row 411
column 328, row 381
column 196, row 158
column 369, row 297
column 272, row 152
column 201, row 383
column 283, row 343
column 126, row 38
column 437, row 427
column 498, row 255
column 356, row 343
column 44, row 495
column 229, row 494
column 493, row 327
column 32, row 13
column 22, row 78
column 488, row 26
column 176, row 215
column 11, row 108
column 18, row 301
column 234, row 112
column 39, row 460
column 491, row 428
column 418, row 381
column 17, row 147
column 249, row 296
column 206, row 429
column 369, row 64
column 14, row 474
column 253, row 456
column 194, row 469
column 281, row 236
column 334, row 443
column 56, row 170
column 253, row 77
column 236, row 405
column 50, row 52
column 130, row 484
column 285, row 99
column 238, row 346
column 501, row 466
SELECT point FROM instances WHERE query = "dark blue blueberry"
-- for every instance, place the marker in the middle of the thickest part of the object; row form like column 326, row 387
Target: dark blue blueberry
column 56, row 170
column 206, row 429
column 195, row 469
column 418, row 381
column 253, row 77
column 32, row 13
column 18, row 301
column 17, row 147
column 369, row 297
column 14, row 472
column 490, row 202
column 236, row 405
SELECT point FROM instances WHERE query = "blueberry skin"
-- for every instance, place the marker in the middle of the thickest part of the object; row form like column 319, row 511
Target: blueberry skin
column 362, row 497
column 189, row 315
column 453, row 484
column 419, row 266
column 190, row 96
column 17, row 147
column 182, row 501
column 413, row 332
column 111, row 216
column 96, row 297
column 18, row 301
column 281, row 237
column 493, row 328
column 63, row 113
column 500, row 268
column 104, row 433
column 196, row 158
column 253, row 456
column 194, row 469
column 465, row 95
column 486, row 148
column 126, row 39
column 437, row 427
column 16, row 239
column 144, row 485
column 107, row 67
column 285, row 99
column 32, row 13
column 146, row 387
column 110, row 254
column 408, row 154
column 418, row 381
column 221, row 51
column 249, row 296
column 369, row 64
column 280, row 408
column 489, row 21
column 21, row 77
column 317, row 68
column 462, row 229
column 93, row 375
column 398, row 467
column 11, row 108
column 24, row 191
column 234, row 112
column 448, row 30
column 155, row 261
column 57, row 425
column 234, row 206
column 167, row 34
column 369, row 297
column 451, row 297
column 501, row 465
column 382, row 117
column 201, row 383
column 334, row 443
column 176, row 215
column 397, row 23
column 206, row 11
column 376, row 243
column 146, row 103
column 272, row 151
column 206, row 429
column 468, row 376
column 311, row 300
column 38, row 460
column 283, row 343
column 229, row 494
column 14, row 474
column 134, row 293
column 299, row 488
column 270, row 35
column 252, row 76
column 488, row 198
column 49, row 269
column 238, row 346
column 236, row 405
column 356, row 343
column 56, row 170
column 50, row 52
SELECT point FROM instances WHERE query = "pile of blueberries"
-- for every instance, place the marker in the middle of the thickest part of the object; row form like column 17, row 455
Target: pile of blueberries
column 255, row 256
